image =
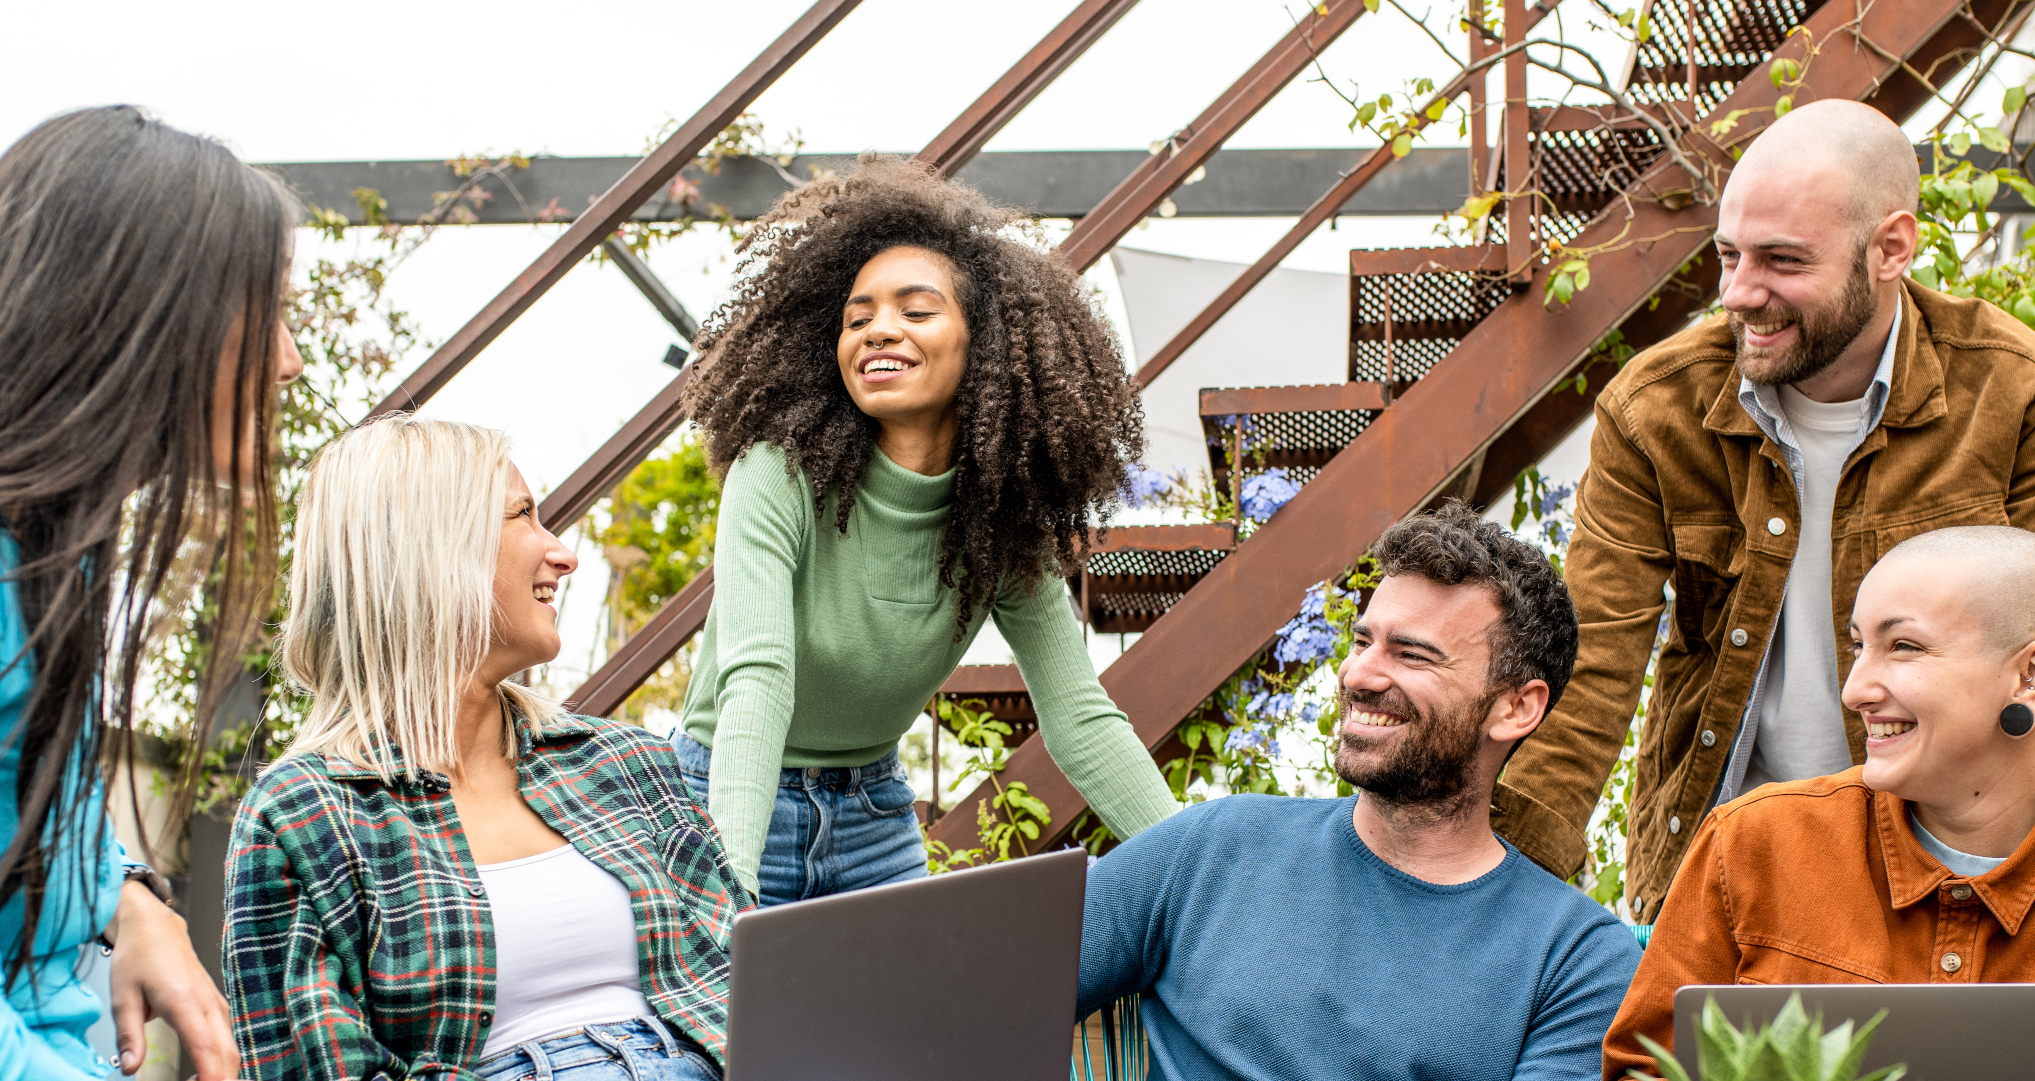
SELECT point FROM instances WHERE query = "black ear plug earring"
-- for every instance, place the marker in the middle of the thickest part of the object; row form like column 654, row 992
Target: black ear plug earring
column 2017, row 719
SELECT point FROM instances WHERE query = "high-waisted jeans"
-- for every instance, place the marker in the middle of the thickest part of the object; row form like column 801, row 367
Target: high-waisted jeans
column 638, row 1049
column 834, row 829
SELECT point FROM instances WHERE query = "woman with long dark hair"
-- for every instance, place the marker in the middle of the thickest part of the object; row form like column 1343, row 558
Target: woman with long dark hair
column 920, row 417
column 142, row 272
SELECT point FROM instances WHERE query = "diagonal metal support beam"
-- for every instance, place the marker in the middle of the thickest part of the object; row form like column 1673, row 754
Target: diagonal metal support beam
column 1323, row 209
column 614, row 207
column 1154, row 179
column 653, row 289
column 634, row 660
column 1461, row 407
column 966, row 136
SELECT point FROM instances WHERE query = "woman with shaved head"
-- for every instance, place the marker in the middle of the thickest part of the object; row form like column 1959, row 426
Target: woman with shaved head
column 1916, row 867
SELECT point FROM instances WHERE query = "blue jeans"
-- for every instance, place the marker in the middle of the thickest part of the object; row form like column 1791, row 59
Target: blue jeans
column 833, row 829
column 639, row 1049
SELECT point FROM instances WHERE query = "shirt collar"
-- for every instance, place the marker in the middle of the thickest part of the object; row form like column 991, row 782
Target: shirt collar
column 2008, row 890
column 561, row 728
column 1763, row 403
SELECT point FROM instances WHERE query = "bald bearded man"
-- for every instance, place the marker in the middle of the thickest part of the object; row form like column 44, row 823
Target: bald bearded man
column 1757, row 464
column 1918, row 867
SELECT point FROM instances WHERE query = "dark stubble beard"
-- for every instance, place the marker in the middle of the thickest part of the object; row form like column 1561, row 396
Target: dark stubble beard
column 1432, row 765
column 1821, row 336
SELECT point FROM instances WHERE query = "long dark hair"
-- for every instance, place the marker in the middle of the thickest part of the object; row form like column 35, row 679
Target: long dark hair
column 1049, row 420
column 130, row 252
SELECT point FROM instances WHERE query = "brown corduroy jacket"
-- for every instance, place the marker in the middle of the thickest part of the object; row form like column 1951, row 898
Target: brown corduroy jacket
column 1683, row 488
column 1821, row 881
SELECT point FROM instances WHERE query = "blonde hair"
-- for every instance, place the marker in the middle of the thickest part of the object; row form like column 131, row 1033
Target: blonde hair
column 392, row 591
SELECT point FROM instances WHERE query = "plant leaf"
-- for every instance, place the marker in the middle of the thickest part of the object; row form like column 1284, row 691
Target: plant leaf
column 1784, row 105
column 1402, row 145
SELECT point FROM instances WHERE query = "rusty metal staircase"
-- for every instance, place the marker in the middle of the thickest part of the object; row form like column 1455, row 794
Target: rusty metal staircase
column 1454, row 353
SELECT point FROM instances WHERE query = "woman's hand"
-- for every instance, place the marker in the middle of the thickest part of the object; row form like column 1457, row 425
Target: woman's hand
column 157, row 974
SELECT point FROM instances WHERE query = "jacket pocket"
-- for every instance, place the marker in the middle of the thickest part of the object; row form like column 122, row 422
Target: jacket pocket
column 1708, row 562
column 1986, row 510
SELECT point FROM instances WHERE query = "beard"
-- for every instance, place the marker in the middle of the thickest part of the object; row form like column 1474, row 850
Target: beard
column 1821, row 335
column 1434, row 760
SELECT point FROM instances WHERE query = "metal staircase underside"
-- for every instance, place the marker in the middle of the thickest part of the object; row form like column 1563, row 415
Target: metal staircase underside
column 1453, row 351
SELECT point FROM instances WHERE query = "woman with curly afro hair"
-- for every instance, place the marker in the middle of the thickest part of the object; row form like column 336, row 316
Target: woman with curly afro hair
column 920, row 417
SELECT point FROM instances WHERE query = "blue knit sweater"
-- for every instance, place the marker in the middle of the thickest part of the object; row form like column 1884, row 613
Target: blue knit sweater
column 1273, row 944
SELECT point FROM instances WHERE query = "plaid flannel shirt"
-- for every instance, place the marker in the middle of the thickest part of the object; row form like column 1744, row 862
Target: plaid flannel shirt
column 359, row 942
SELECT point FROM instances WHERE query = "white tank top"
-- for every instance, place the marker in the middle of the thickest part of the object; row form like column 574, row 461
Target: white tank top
column 565, row 947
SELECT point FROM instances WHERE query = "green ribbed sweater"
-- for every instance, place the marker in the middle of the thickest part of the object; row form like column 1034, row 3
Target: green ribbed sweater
column 822, row 649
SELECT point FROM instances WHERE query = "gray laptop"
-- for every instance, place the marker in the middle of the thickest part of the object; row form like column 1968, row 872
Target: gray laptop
column 1942, row 1031
column 969, row 974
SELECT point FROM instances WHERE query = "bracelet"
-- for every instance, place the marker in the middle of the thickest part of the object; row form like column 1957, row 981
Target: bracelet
column 156, row 883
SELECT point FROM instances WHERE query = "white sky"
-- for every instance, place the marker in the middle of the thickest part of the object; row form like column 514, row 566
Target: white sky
column 379, row 80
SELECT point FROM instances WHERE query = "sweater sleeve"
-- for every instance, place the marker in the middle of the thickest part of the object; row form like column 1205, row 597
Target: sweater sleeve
column 1123, row 936
column 1566, row 1037
column 1087, row 736
column 765, row 517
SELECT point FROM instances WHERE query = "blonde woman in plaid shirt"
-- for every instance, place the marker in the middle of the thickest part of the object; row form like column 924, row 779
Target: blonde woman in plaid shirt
column 448, row 876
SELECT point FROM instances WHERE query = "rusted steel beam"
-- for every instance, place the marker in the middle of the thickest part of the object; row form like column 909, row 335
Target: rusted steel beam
column 1456, row 411
column 966, row 136
column 1230, row 401
column 1323, row 209
column 626, row 669
column 1519, row 248
column 1198, row 537
column 1481, row 258
column 636, row 440
column 1150, row 183
column 615, row 205
column 981, row 679
column 1543, row 427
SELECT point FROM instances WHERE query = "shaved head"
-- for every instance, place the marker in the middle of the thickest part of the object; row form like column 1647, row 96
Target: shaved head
column 1848, row 145
column 1996, row 563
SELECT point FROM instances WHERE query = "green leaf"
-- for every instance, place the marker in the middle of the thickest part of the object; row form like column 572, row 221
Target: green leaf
column 1670, row 1069
column 1366, row 112
column 1191, row 736
column 1784, row 105
column 1370, row 6
column 2024, row 309
column 1983, row 187
column 1439, row 107
column 1559, row 289
column 1402, row 145
column 1960, row 143
column 1644, row 30
column 1783, row 71
column 2012, row 100
column 1583, row 278
column 1993, row 140
column 1927, row 276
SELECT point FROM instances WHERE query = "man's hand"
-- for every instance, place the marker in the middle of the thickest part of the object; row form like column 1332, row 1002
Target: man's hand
column 157, row 974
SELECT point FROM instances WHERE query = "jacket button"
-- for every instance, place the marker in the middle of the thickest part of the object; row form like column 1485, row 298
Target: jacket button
column 1951, row 962
column 1675, row 824
column 1709, row 738
column 1738, row 636
column 1776, row 526
column 1960, row 892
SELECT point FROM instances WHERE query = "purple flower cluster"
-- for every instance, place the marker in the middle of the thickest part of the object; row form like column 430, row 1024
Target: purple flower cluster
column 1257, row 738
column 1551, row 501
column 1265, row 493
column 1143, row 485
column 1307, row 638
column 1228, row 421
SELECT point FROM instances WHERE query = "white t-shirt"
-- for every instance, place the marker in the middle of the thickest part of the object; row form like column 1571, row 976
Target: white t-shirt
column 1801, row 723
column 565, row 947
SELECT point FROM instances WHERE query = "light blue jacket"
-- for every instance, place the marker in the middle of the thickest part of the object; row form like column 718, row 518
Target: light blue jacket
column 45, row 1013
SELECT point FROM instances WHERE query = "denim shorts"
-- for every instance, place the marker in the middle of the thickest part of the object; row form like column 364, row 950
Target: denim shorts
column 834, row 829
column 639, row 1049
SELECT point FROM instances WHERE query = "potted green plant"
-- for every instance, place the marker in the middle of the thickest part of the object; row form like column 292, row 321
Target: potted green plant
column 1793, row 1047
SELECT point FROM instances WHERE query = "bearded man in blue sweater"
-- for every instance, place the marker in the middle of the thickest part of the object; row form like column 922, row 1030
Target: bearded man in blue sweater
column 1389, row 935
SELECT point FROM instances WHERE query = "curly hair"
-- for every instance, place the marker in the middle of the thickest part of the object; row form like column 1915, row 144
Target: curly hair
column 1048, row 417
column 1454, row 545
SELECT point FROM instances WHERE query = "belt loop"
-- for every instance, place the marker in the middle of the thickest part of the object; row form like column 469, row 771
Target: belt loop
column 537, row 1059
column 665, row 1036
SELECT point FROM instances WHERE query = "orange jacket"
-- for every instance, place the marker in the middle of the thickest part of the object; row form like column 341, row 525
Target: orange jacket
column 1821, row 881
column 1683, row 487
